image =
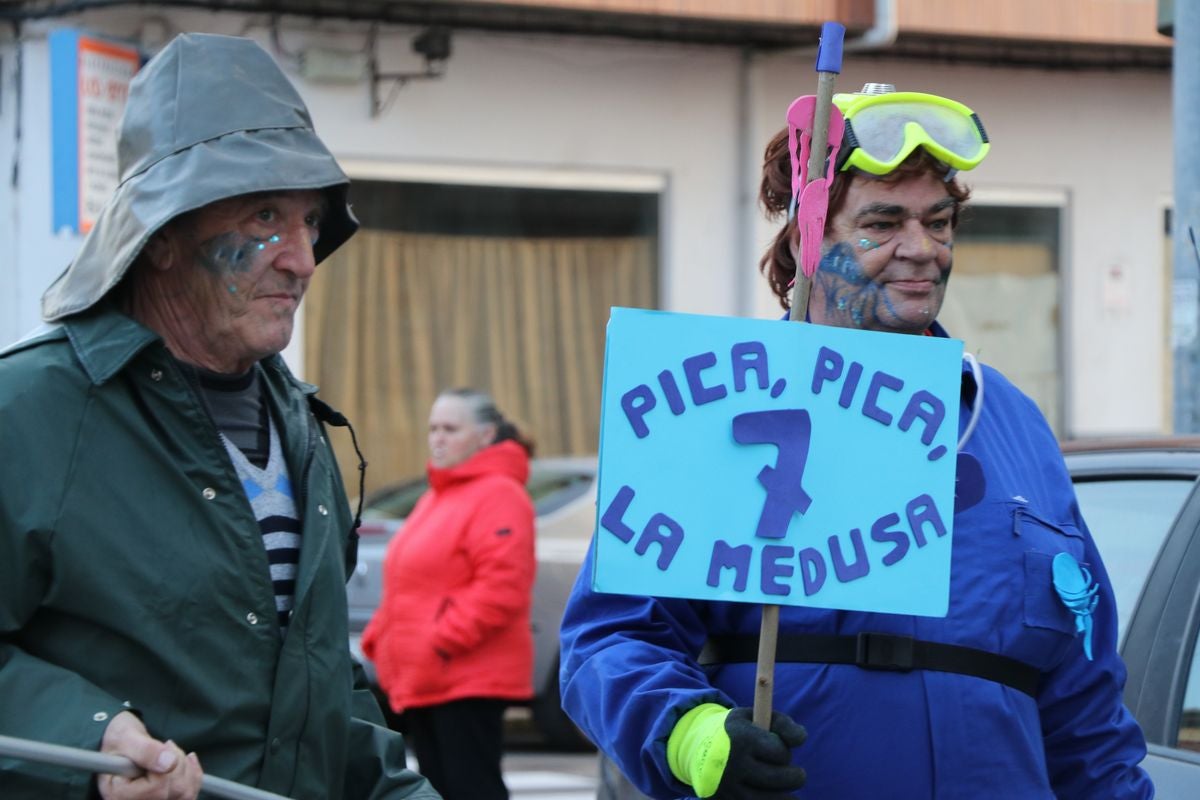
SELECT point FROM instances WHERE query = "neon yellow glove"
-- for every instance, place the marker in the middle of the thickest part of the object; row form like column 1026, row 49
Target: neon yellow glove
column 698, row 748
column 720, row 753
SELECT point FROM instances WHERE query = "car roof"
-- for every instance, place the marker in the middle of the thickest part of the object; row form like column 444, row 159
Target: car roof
column 564, row 463
column 1159, row 456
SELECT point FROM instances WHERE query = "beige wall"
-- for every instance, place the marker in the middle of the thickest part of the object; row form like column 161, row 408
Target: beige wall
column 803, row 12
column 1127, row 22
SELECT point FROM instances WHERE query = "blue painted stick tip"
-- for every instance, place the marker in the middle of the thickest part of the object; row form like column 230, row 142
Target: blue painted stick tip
column 829, row 51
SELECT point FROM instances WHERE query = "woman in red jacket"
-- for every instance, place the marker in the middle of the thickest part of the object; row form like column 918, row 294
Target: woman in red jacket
column 451, row 640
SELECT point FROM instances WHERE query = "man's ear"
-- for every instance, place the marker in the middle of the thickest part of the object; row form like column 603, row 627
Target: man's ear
column 159, row 253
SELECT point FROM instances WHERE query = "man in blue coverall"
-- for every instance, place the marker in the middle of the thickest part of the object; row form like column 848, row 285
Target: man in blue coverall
column 999, row 699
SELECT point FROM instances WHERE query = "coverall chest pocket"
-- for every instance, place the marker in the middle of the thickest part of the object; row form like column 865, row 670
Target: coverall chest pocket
column 1040, row 540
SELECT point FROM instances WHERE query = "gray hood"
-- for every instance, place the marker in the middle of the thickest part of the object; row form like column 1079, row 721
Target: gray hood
column 209, row 117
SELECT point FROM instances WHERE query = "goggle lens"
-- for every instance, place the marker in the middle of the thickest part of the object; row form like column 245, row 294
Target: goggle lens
column 883, row 130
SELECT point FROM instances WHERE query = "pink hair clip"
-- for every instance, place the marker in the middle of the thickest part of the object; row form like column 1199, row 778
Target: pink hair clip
column 810, row 199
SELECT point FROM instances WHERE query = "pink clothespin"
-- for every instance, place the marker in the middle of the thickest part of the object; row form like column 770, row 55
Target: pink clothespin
column 810, row 198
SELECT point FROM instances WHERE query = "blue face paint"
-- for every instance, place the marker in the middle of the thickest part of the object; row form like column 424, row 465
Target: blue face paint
column 273, row 240
column 851, row 298
column 854, row 300
column 229, row 253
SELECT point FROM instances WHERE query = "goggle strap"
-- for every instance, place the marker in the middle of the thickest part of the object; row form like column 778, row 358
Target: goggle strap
column 979, row 124
column 849, row 145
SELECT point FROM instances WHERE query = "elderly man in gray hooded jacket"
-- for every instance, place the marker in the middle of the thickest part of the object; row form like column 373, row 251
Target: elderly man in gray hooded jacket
column 174, row 532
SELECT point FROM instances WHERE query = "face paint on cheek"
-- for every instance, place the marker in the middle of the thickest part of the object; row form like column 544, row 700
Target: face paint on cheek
column 229, row 254
column 262, row 244
column 867, row 244
column 850, row 296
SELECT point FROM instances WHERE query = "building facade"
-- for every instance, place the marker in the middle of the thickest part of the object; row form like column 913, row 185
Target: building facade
column 557, row 157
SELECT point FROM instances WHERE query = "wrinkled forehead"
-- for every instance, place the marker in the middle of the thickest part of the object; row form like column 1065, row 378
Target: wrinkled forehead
column 919, row 195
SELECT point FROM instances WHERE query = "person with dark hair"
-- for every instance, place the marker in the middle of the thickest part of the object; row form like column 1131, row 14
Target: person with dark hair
column 174, row 533
column 451, row 639
column 1001, row 698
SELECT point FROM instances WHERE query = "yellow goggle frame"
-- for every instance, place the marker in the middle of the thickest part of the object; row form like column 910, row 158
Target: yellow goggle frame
column 883, row 129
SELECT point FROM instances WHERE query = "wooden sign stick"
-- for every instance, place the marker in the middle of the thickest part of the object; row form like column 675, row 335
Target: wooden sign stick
column 829, row 64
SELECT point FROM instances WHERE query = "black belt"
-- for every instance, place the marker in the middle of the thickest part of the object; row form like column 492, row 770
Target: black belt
column 883, row 651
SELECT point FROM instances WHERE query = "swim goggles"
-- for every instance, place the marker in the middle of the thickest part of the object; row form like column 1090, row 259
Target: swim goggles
column 883, row 129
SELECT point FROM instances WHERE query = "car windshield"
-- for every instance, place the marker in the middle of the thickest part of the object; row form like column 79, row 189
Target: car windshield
column 1129, row 519
column 395, row 502
column 551, row 489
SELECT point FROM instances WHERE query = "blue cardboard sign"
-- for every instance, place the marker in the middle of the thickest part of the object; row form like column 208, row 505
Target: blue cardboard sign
column 773, row 462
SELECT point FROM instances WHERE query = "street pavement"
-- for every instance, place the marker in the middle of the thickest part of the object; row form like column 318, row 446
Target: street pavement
column 547, row 785
column 538, row 775
column 532, row 772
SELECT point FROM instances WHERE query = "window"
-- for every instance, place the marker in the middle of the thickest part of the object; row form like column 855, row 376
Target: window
column 1129, row 519
column 1003, row 300
column 505, row 289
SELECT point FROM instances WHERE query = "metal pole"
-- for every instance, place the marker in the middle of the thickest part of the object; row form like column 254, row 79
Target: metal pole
column 91, row 761
column 1185, row 89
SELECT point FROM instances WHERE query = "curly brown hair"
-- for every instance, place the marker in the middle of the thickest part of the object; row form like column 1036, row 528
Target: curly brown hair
column 775, row 195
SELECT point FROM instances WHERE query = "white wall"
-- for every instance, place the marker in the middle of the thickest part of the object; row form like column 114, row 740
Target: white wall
column 601, row 106
column 38, row 255
column 582, row 105
column 10, row 298
column 670, row 112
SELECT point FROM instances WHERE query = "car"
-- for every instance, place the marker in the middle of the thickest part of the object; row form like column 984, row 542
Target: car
column 1141, row 501
column 563, row 490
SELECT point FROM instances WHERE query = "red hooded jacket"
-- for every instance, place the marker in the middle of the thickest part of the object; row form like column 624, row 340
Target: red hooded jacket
column 454, row 620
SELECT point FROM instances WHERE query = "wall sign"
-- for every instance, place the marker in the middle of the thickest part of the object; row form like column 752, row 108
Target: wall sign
column 773, row 462
column 89, row 83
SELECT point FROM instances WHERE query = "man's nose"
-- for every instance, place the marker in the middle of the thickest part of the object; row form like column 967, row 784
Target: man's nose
column 296, row 253
column 915, row 242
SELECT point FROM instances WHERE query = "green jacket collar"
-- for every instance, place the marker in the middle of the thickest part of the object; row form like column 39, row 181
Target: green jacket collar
column 105, row 340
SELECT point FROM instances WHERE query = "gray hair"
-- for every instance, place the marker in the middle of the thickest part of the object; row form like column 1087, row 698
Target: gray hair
column 485, row 411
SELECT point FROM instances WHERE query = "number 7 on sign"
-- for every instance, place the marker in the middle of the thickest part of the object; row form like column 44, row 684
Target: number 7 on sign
column 791, row 431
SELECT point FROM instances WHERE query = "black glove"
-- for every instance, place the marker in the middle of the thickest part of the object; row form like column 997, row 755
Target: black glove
column 760, row 762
